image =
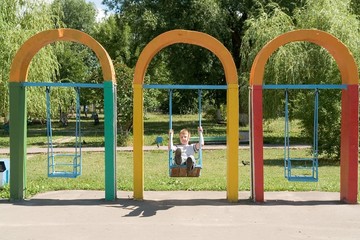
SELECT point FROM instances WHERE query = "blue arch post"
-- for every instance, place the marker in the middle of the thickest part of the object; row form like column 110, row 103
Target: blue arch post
column 110, row 125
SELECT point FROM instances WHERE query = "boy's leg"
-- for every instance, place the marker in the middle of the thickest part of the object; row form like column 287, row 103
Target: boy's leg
column 190, row 163
column 178, row 159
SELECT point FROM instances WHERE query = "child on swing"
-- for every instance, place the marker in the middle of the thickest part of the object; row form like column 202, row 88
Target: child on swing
column 184, row 153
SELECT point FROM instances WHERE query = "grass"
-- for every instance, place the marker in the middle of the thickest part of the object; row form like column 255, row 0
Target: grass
column 213, row 175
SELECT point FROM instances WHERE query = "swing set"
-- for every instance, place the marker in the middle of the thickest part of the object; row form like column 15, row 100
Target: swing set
column 305, row 169
column 63, row 165
column 180, row 170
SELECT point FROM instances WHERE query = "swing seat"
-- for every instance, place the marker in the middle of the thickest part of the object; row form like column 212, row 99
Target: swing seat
column 63, row 175
column 296, row 169
column 180, row 171
column 66, row 168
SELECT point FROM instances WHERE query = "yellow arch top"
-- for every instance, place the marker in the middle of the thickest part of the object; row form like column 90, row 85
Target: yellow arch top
column 20, row 65
column 190, row 37
column 341, row 54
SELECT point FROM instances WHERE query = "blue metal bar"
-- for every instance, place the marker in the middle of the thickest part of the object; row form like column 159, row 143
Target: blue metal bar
column 199, row 101
column 305, row 86
column 57, row 84
column 52, row 172
column 170, row 127
column 200, row 147
column 78, row 134
column 287, row 163
column 316, row 135
column 50, row 152
column 168, row 86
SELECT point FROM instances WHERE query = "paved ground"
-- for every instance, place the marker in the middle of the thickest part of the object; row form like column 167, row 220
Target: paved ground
column 179, row 215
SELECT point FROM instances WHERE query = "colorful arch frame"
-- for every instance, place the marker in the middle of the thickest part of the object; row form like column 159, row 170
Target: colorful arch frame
column 212, row 44
column 349, row 114
column 18, row 74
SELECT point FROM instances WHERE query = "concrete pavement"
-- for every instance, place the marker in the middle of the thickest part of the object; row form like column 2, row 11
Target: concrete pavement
column 179, row 215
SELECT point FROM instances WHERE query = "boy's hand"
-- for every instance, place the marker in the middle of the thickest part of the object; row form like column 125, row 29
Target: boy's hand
column 171, row 131
column 200, row 129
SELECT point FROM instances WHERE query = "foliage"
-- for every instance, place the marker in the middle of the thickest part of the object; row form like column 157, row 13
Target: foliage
column 115, row 37
column 125, row 97
column 19, row 20
column 303, row 63
column 77, row 62
column 75, row 14
column 147, row 19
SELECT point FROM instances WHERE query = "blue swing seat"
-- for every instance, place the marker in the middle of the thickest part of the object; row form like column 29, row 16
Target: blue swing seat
column 301, row 169
column 297, row 169
column 67, row 165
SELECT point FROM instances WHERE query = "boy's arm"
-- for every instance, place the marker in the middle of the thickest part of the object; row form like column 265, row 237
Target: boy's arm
column 201, row 138
column 171, row 136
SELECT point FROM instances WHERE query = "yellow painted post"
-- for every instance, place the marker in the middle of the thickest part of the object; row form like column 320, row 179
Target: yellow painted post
column 138, row 155
column 232, row 142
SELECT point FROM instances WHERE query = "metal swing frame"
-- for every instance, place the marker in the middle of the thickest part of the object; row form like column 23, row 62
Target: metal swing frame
column 288, row 161
column 175, row 170
column 62, row 169
column 180, row 171
column 300, row 164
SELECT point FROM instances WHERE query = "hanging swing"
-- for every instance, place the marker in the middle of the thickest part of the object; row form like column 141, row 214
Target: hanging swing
column 180, row 170
column 301, row 169
column 66, row 165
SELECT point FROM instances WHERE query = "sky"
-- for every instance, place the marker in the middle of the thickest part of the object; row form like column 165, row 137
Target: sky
column 100, row 8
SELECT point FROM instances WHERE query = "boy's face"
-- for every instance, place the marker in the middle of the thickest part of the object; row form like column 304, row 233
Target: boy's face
column 184, row 138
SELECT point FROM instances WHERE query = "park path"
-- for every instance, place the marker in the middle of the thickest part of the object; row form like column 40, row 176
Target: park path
column 35, row 150
column 178, row 215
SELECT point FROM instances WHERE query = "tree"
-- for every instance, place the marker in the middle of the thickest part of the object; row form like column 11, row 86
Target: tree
column 223, row 19
column 77, row 62
column 19, row 20
column 305, row 63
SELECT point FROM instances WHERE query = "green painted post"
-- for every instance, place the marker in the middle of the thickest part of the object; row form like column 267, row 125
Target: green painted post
column 18, row 129
column 110, row 124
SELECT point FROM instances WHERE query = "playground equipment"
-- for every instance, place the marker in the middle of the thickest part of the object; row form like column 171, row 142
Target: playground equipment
column 212, row 44
column 65, row 168
column 180, row 171
column 349, row 110
column 18, row 79
column 349, row 117
column 4, row 172
column 302, row 169
column 176, row 170
column 301, row 164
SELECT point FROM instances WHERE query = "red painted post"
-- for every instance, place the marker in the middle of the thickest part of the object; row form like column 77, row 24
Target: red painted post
column 257, row 144
column 349, row 145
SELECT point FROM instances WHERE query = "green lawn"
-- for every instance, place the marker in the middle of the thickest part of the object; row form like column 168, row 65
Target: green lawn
column 213, row 176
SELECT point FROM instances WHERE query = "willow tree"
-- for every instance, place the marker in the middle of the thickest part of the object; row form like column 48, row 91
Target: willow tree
column 305, row 63
column 19, row 20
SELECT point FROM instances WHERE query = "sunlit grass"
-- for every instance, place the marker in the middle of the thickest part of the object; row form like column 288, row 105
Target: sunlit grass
column 213, row 174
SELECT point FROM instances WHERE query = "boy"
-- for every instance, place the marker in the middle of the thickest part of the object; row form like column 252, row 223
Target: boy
column 184, row 153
